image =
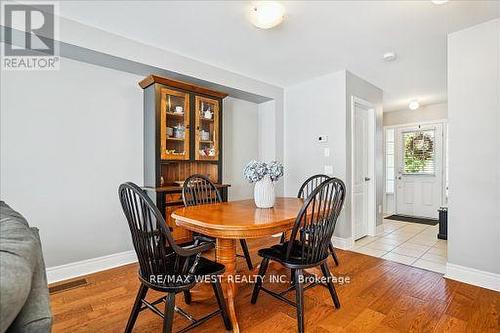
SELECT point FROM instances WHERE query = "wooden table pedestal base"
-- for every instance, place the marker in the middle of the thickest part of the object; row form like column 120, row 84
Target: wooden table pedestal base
column 226, row 255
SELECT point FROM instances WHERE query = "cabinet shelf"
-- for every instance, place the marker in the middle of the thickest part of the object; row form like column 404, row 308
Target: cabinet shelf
column 172, row 114
column 175, row 139
column 206, row 141
column 207, row 158
column 207, row 120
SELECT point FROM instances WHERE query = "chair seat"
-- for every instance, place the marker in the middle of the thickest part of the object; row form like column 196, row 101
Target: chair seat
column 204, row 238
column 295, row 260
column 207, row 267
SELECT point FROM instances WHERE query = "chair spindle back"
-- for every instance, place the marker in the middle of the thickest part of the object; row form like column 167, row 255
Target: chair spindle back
column 199, row 190
column 315, row 223
column 153, row 242
column 310, row 185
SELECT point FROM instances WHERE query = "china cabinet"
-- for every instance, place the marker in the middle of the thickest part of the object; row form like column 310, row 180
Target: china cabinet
column 182, row 136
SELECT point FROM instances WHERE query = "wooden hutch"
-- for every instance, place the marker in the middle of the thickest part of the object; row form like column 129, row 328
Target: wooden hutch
column 182, row 137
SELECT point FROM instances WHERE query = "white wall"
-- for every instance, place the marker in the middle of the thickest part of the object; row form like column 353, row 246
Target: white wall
column 321, row 106
column 427, row 113
column 267, row 139
column 241, row 144
column 474, row 148
column 68, row 139
column 313, row 108
column 357, row 87
column 389, row 204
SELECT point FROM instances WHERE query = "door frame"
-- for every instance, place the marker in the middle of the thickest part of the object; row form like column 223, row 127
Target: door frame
column 444, row 155
column 372, row 203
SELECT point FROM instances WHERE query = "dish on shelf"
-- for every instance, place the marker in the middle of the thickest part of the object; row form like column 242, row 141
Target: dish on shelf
column 204, row 135
column 209, row 152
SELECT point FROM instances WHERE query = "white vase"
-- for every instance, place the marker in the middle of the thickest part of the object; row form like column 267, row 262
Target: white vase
column 263, row 193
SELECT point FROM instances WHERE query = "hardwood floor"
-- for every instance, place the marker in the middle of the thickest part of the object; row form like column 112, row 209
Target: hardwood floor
column 382, row 296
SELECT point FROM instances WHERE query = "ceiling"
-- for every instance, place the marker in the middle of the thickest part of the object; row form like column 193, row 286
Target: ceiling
column 316, row 38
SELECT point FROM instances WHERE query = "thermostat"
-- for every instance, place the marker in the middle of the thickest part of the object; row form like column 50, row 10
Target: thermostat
column 322, row 138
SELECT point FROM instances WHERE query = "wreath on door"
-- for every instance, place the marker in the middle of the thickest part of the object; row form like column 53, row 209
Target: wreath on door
column 420, row 146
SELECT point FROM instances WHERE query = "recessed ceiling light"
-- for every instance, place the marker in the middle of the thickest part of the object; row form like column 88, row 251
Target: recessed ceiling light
column 414, row 104
column 390, row 56
column 267, row 14
column 439, row 2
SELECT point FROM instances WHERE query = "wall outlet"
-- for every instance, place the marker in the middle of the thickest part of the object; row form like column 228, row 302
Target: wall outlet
column 380, row 209
column 322, row 139
column 327, row 152
column 329, row 170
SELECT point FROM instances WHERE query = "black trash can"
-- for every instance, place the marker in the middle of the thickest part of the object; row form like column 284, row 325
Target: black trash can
column 443, row 223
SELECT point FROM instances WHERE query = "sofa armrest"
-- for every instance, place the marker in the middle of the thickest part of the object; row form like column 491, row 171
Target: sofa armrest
column 24, row 305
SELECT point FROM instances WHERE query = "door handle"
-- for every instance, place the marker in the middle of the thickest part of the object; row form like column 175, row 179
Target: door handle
column 367, row 179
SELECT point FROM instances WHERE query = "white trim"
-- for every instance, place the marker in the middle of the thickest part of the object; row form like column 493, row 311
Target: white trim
column 429, row 122
column 379, row 229
column 473, row 276
column 372, row 202
column 343, row 243
column 89, row 266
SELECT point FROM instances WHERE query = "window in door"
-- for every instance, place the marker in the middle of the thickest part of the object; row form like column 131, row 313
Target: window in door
column 389, row 160
column 418, row 152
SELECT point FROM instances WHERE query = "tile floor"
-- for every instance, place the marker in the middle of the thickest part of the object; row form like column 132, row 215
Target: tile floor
column 407, row 243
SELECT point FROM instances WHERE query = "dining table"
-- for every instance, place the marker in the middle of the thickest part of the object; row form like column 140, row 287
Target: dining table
column 230, row 221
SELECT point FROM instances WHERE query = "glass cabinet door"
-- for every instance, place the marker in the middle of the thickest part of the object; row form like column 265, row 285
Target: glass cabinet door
column 207, row 129
column 174, row 125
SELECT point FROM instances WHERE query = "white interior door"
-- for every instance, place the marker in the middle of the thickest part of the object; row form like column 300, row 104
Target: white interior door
column 361, row 175
column 419, row 178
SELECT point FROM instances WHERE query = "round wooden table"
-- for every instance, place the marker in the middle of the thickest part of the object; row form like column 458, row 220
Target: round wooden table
column 230, row 221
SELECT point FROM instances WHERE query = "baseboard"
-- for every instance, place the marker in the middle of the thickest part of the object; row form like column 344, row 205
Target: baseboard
column 89, row 266
column 343, row 243
column 473, row 276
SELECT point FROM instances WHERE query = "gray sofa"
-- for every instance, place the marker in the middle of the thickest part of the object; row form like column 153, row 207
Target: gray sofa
column 24, row 295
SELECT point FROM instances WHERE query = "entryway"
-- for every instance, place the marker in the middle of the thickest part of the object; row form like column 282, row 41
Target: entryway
column 415, row 157
column 407, row 243
column 419, row 178
column 415, row 185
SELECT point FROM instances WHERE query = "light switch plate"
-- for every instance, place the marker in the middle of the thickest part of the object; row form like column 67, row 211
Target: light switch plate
column 329, row 170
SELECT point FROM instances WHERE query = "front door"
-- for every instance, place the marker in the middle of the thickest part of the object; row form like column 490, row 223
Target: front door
column 419, row 179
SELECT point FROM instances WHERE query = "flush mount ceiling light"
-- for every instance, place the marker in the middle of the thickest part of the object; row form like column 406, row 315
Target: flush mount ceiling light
column 414, row 104
column 389, row 56
column 439, row 2
column 267, row 14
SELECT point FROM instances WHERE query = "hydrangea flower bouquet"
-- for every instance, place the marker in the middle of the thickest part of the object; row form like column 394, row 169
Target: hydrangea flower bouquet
column 263, row 175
